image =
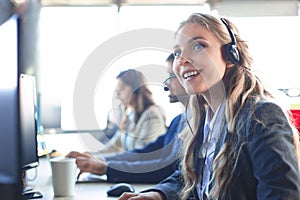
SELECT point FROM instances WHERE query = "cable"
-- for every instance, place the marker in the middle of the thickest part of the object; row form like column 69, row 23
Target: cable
column 34, row 176
column 186, row 116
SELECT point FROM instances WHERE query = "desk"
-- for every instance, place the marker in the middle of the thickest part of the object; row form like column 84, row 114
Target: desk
column 83, row 191
column 66, row 142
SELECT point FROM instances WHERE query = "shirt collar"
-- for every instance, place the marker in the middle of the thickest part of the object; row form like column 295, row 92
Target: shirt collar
column 216, row 119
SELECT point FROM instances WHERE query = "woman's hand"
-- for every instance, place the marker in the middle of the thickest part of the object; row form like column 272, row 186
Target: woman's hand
column 141, row 196
column 75, row 154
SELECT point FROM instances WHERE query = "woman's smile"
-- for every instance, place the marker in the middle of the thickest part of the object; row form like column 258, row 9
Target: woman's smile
column 190, row 74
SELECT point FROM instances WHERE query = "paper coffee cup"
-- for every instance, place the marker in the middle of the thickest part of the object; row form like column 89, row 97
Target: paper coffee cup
column 63, row 176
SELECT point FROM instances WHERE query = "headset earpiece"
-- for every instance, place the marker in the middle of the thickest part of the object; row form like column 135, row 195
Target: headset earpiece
column 166, row 88
column 230, row 51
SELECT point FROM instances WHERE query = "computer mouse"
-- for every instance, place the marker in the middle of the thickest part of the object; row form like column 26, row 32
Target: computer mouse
column 118, row 189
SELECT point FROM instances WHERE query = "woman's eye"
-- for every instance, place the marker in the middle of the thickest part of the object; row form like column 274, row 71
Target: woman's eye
column 177, row 53
column 198, row 46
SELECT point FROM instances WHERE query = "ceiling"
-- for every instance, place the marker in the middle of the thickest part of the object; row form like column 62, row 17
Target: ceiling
column 225, row 7
column 120, row 2
column 144, row 2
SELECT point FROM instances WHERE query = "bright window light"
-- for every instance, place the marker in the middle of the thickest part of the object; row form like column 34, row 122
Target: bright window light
column 68, row 35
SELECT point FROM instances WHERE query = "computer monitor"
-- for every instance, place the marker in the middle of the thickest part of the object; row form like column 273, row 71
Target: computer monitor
column 10, row 141
column 28, row 128
column 18, row 125
column 28, row 121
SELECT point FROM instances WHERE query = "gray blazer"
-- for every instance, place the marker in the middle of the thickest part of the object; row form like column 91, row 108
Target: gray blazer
column 267, row 166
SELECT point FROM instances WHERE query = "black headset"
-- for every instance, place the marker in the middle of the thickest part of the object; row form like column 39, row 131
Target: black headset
column 230, row 51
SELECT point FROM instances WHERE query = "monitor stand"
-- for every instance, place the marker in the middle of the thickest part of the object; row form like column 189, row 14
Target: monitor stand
column 31, row 194
column 28, row 192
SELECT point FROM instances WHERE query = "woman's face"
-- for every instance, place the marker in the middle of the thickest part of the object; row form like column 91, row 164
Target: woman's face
column 198, row 63
column 123, row 92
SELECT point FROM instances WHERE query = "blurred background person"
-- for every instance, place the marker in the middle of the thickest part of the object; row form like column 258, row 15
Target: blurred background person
column 140, row 120
column 151, row 164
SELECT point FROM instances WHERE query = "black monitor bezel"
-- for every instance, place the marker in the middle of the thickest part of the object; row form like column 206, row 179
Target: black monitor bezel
column 35, row 162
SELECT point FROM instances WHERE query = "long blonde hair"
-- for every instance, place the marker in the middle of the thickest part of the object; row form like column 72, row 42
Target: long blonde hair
column 240, row 84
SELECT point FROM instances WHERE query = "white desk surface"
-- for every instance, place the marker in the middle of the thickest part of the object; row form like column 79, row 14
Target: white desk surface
column 83, row 191
column 66, row 142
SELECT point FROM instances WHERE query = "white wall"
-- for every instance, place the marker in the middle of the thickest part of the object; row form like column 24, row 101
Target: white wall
column 254, row 8
column 70, row 35
column 274, row 43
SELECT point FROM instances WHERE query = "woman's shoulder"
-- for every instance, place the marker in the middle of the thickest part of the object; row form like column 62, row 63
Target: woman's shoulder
column 263, row 106
column 263, row 116
column 264, row 110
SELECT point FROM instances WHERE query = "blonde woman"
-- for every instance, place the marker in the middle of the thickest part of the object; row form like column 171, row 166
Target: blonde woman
column 241, row 145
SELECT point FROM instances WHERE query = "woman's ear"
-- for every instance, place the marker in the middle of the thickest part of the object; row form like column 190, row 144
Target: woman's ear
column 229, row 64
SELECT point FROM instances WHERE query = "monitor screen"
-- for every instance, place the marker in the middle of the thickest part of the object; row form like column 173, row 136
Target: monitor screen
column 28, row 121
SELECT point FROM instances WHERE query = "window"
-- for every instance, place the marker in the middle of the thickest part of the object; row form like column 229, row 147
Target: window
column 70, row 35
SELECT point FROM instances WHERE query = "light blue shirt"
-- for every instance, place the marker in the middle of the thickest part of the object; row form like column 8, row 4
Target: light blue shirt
column 212, row 130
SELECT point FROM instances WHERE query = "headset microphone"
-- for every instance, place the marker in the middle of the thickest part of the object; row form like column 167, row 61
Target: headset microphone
column 166, row 88
column 167, row 81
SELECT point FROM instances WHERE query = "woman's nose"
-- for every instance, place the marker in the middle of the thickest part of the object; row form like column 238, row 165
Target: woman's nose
column 182, row 60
